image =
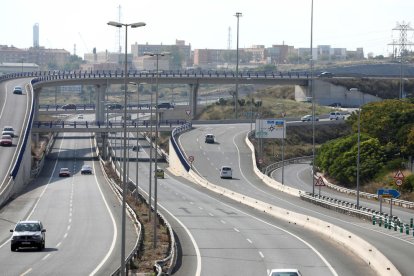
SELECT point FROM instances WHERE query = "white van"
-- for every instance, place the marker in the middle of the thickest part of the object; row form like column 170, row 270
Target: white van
column 336, row 115
column 226, row 172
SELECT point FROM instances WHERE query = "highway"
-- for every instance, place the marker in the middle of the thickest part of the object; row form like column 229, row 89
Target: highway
column 81, row 215
column 232, row 150
column 13, row 110
column 218, row 236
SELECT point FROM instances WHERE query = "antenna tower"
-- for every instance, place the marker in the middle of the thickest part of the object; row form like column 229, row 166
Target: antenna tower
column 403, row 28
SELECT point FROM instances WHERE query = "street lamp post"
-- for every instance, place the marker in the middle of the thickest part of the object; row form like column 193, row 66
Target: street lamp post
column 157, row 55
column 361, row 102
column 124, row 188
column 313, row 103
column 236, row 96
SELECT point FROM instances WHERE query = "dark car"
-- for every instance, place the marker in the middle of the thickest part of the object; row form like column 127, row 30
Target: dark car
column 165, row 105
column 29, row 233
column 69, row 106
column 86, row 169
column 209, row 139
column 113, row 106
column 325, row 75
column 18, row 90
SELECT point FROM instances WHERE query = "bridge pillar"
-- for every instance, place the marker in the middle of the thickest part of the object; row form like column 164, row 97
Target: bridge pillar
column 36, row 103
column 100, row 102
column 193, row 98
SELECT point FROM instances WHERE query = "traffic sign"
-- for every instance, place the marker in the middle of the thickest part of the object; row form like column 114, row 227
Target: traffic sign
column 191, row 158
column 388, row 193
column 320, row 182
column 399, row 175
column 399, row 182
column 188, row 112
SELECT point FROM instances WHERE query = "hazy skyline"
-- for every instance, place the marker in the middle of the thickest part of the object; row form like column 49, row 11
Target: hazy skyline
column 205, row 24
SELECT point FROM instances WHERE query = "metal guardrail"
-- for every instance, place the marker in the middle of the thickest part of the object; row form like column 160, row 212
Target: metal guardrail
column 104, row 124
column 298, row 160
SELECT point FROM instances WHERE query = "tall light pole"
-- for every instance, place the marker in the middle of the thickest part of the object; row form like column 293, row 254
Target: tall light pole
column 124, row 187
column 313, row 103
column 236, row 96
column 157, row 55
column 361, row 102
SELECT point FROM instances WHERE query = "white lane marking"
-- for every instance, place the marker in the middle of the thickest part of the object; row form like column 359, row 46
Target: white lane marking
column 68, row 227
column 57, row 245
column 211, row 215
column 45, row 257
column 113, row 223
column 199, row 207
column 65, row 236
column 222, row 221
column 192, row 203
column 261, row 254
column 249, row 240
column 237, row 230
column 27, row 271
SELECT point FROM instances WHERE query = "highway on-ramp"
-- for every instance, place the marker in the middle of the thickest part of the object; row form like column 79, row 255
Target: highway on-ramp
column 232, row 150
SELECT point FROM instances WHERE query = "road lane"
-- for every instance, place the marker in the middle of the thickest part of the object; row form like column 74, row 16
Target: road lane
column 246, row 182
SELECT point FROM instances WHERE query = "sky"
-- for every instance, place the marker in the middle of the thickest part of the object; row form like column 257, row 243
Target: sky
column 205, row 24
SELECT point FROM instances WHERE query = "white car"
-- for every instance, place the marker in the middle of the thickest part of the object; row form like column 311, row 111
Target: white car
column 308, row 118
column 285, row 272
column 226, row 172
column 336, row 115
column 8, row 130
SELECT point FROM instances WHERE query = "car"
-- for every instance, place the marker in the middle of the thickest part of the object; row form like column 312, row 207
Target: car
column 28, row 233
column 159, row 173
column 165, row 105
column 209, row 139
column 8, row 130
column 86, row 169
column 18, row 90
column 308, row 118
column 64, row 172
column 80, row 116
column 68, row 106
column 285, row 272
column 336, row 115
column 113, row 106
column 136, row 148
column 226, row 172
column 6, row 140
column 325, row 75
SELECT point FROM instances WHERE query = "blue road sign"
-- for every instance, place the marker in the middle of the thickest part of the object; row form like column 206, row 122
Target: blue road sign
column 388, row 193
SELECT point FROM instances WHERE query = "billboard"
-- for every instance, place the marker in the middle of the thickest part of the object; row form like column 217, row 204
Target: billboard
column 270, row 128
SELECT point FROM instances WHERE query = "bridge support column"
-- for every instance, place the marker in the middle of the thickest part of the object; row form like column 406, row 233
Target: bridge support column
column 35, row 95
column 193, row 98
column 100, row 103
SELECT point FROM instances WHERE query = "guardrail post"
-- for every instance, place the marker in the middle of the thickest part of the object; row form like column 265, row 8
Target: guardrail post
column 385, row 223
column 411, row 222
column 380, row 221
column 373, row 220
column 407, row 229
column 395, row 227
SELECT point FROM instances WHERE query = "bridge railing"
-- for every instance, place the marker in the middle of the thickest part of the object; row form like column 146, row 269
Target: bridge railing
column 105, row 124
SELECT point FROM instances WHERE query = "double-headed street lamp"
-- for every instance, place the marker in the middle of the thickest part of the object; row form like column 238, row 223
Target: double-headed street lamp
column 157, row 55
column 124, row 180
